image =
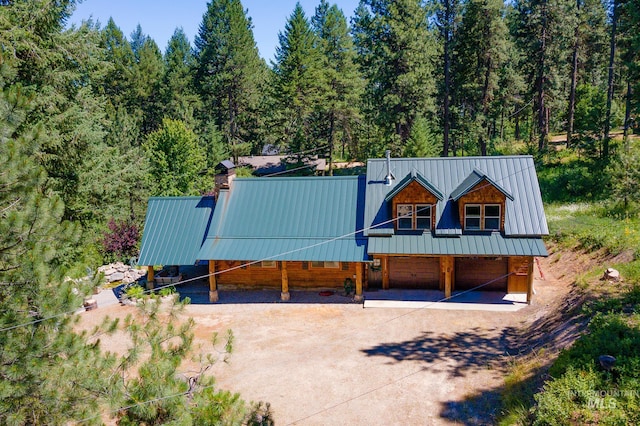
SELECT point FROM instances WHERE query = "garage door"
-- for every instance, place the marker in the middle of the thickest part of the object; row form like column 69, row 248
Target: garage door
column 472, row 272
column 414, row 272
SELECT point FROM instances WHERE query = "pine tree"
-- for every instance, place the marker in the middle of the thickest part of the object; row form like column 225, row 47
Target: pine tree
column 543, row 32
column 396, row 54
column 48, row 374
column 148, row 73
column 229, row 73
column 481, row 50
column 298, row 84
column 447, row 20
column 630, row 47
column 588, row 53
column 179, row 99
column 118, row 83
column 340, row 101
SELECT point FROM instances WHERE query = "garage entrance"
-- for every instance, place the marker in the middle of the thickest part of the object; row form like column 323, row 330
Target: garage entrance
column 414, row 272
column 472, row 272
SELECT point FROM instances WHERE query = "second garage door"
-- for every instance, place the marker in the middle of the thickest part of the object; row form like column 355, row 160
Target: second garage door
column 472, row 272
column 414, row 272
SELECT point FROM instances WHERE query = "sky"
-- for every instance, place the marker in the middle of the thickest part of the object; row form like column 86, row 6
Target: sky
column 160, row 18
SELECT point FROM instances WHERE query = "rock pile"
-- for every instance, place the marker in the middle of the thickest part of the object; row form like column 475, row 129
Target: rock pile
column 120, row 272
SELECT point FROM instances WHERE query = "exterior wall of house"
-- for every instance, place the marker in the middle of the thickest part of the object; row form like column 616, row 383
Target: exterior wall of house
column 414, row 193
column 483, row 193
column 521, row 274
column 509, row 274
column 299, row 275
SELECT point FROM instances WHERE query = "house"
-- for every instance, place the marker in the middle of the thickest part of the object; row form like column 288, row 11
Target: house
column 446, row 224
column 454, row 223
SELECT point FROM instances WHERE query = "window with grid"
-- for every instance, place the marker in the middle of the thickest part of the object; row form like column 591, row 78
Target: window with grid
column 423, row 216
column 325, row 264
column 472, row 217
column 405, row 216
column 492, row 217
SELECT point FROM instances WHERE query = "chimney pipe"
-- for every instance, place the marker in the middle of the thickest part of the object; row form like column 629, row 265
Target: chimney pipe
column 388, row 179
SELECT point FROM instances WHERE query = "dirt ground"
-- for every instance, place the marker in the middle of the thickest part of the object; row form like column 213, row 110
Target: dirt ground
column 320, row 364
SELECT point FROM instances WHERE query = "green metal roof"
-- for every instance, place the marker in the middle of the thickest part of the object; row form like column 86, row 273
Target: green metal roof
column 289, row 249
column 414, row 177
column 275, row 218
column 493, row 244
column 514, row 175
column 174, row 230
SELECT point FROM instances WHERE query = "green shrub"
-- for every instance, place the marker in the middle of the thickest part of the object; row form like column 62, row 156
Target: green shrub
column 167, row 291
column 565, row 398
column 134, row 292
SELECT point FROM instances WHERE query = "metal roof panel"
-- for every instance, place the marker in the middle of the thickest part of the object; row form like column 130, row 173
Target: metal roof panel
column 516, row 175
column 465, row 245
column 174, row 230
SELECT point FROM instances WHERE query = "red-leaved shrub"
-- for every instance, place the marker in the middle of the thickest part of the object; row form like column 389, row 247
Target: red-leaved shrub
column 121, row 239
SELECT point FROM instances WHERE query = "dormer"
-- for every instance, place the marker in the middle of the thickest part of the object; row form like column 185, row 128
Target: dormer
column 481, row 203
column 413, row 203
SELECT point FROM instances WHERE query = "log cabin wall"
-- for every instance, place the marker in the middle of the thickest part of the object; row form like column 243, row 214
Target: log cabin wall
column 483, row 193
column 247, row 276
column 307, row 276
column 299, row 274
column 414, row 193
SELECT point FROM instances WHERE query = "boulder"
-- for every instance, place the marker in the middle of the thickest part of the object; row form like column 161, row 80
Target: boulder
column 611, row 275
column 607, row 362
column 118, row 276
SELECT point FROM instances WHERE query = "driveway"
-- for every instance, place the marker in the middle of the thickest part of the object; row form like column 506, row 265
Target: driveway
column 338, row 363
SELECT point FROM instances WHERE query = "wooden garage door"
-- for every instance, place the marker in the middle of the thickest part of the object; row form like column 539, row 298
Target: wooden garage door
column 414, row 272
column 472, row 272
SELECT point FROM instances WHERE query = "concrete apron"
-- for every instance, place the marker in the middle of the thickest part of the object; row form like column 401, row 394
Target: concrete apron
column 432, row 299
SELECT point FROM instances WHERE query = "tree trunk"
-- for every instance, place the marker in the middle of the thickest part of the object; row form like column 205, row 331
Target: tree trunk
column 232, row 126
column 485, row 108
column 502, row 124
column 447, row 79
column 574, row 83
column 627, row 115
column 517, row 124
column 331, row 135
column 542, row 113
column 612, row 54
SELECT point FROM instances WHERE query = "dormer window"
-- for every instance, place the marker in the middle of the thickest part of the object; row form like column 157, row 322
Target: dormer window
column 492, row 217
column 405, row 216
column 472, row 217
column 414, row 216
column 482, row 217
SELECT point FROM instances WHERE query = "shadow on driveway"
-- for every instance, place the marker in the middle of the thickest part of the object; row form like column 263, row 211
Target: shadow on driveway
column 468, row 350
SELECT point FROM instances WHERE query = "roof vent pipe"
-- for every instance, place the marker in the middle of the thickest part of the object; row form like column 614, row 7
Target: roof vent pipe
column 388, row 179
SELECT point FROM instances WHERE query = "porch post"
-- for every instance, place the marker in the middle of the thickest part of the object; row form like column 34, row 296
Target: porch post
column 530, row 280
column 385, row 272
column 447, row 266
column 213, row 286
column 284, row 295
column 150, row 277
column 358, row 296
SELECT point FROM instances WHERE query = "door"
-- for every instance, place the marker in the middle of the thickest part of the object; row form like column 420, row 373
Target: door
column 472, row 272
column 414, row 272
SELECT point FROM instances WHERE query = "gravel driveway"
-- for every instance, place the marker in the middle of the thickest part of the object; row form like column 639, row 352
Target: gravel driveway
column 340, row 364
